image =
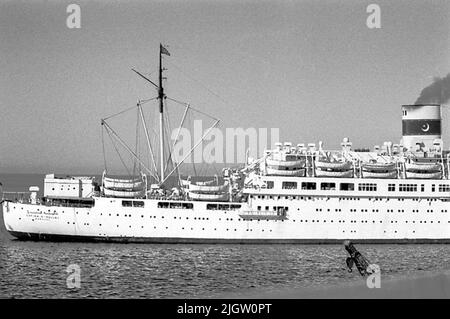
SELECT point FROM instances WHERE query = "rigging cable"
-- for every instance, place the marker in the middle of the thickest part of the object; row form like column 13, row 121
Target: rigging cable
column 136, row 142
column 118, row 153
column 127, row 109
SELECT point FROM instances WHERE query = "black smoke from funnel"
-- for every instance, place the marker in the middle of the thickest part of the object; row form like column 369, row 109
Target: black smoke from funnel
column 436, row 93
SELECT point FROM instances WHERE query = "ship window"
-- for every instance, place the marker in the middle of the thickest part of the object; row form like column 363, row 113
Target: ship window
column 269, row 184
column 422, row 187
column 127, row 203
column 289, row 185
column 184, row 205
column 367, row 187
column 175, row 205
column 391, row 187
column 163, row 205
column 407, row 187
column 138, row 203
column 347, row 187
column 444, row 188
column 328, row 186
column 308, row 185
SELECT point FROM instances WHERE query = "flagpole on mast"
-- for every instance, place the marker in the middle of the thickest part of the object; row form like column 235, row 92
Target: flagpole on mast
column 161, row 118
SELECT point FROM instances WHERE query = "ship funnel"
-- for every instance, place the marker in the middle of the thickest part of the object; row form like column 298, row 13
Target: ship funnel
column 421, row 126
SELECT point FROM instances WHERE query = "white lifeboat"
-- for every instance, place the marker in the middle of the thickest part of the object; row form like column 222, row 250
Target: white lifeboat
column 426, row 167
column 335, row 166
column 379, row 174
column 208, row 197
column 327, row 173
column 378, row 167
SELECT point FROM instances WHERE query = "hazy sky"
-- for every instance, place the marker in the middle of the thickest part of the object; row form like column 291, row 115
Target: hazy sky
column 312, row 68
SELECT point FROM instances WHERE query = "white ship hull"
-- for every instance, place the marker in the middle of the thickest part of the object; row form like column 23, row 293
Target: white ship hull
column 318, row 220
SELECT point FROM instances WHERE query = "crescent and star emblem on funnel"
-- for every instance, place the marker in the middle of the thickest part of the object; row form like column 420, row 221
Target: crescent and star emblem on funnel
column 426, row 127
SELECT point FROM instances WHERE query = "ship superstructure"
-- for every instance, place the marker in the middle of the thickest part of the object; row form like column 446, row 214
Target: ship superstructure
column 292, row 194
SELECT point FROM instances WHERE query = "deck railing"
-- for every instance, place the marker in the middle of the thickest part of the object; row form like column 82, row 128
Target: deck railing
column 18, row 197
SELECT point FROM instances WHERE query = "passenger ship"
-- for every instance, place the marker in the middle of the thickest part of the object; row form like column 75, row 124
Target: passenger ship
column 293, row 194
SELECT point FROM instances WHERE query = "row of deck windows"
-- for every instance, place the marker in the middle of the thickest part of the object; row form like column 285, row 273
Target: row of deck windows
column 293, row 197
column 370, row 187
column 182, row 205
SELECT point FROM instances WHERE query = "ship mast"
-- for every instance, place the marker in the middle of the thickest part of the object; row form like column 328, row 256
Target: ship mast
column 161, row 113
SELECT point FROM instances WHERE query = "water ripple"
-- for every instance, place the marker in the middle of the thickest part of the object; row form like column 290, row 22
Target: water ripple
column 38, row 270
